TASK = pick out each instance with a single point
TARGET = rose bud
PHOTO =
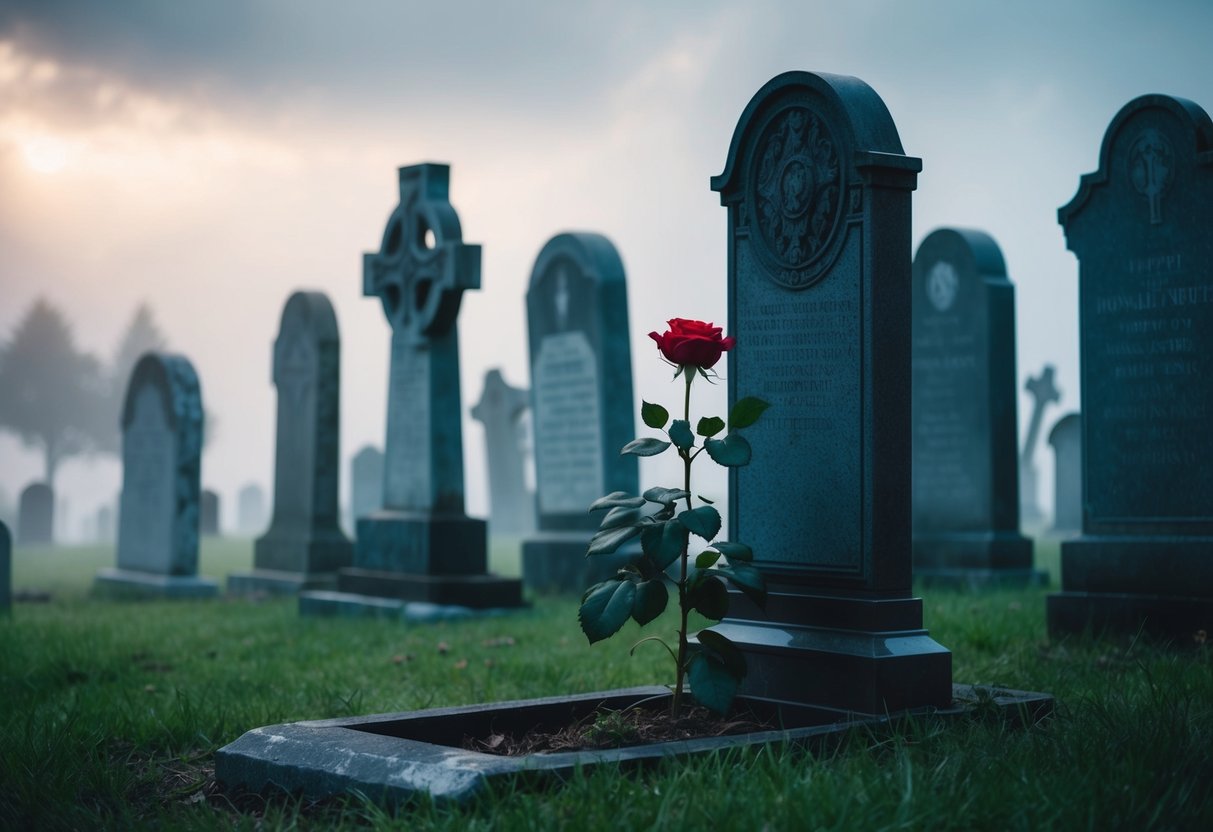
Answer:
(690, 343)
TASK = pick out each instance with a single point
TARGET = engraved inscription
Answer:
(797, 195)
(145, 535)
(568, 433)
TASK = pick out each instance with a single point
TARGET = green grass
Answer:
(110, 714)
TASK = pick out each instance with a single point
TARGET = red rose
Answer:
(692, 343)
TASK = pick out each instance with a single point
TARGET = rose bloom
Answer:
(692, 343)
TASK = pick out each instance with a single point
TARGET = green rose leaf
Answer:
(734, 660)
(748, 579)
(619, 516)
(711, 598)
(709, 426)
(706, 558)
(711, 683)
(654, 415)
(644, 447)
(664, 542)
(605, 607)
(735, 551)
(651, 598)
(746, 412)
(680, 434)
(617, 498)
(665, 496)
(732, 452)
(608, 540)
(703, 521)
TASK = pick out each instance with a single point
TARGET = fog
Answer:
(210, 158)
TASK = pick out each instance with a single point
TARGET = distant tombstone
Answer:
(36, 515)
(964, 433)
(105, 525)
(1140, 227)
(500, 410)
(250, 509)
(818, 196)
(421, 546)
(1044, 393)
(304, 546)
(161, 463)
(208, 522)
(6, 570)
(366, 482)
(1066, 439)
(582, 405)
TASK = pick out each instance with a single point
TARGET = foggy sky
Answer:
(216, 156)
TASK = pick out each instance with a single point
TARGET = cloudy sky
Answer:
(210, 158)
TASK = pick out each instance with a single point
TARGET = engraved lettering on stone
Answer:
(1151, 162)
(568, 435)
(796, 194)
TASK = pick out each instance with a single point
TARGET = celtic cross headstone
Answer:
(1139, 226)
(818, 196)
(500, 411)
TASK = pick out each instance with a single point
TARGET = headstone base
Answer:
(422, 543)
(126, 583)
(1132, 584)
(979, 559)
(321, 552)
(556, 562)
(322, 603)
(273, 582)
(860, 655)
(475, 591)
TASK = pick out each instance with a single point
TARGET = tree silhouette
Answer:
(52, 391)
(142, 336)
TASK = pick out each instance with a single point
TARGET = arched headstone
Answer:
(250, 509)
(208, 513)
(158, 520)
(963, 423)
(1066, 439)
(36, 515)
(581, 404)
(818, 196)
(1140, 228)
(304, 546)
(366, 483)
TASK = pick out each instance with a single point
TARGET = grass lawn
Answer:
(110, 713)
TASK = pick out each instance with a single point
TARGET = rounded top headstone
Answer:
(1067, 426)
(595, 255)
(174, 377)
(312, 311)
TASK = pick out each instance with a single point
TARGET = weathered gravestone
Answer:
(105, 525)
(818, 195)
(366, 483)
(304, 546)
(208, 517)
(964, 434)
(36, 515)
(6, 570)
(500, 410)
(1043, 393)
(250, 509)
(161, 466)
(1140, 227)
(582, 405)
(1066, 439)
(421, 546)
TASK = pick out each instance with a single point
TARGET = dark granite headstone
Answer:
(421, 546)
(965, 439)
(36, 515)
(582, 405)
(818, 196)
(366, 482)
(304, 546)
(250, 509)
(1140, 227)
(500, 410)
(161, 465)
(1043, 393)
(6, 570)
(208, 517)
(1066, 439)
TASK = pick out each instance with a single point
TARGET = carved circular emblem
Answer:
(796, 194)
(942, 283)
(1151, 161)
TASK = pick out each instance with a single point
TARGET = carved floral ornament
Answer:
(1151, 161)
(795, 195)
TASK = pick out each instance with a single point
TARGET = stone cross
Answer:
(1044, 393)
(500, 410)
